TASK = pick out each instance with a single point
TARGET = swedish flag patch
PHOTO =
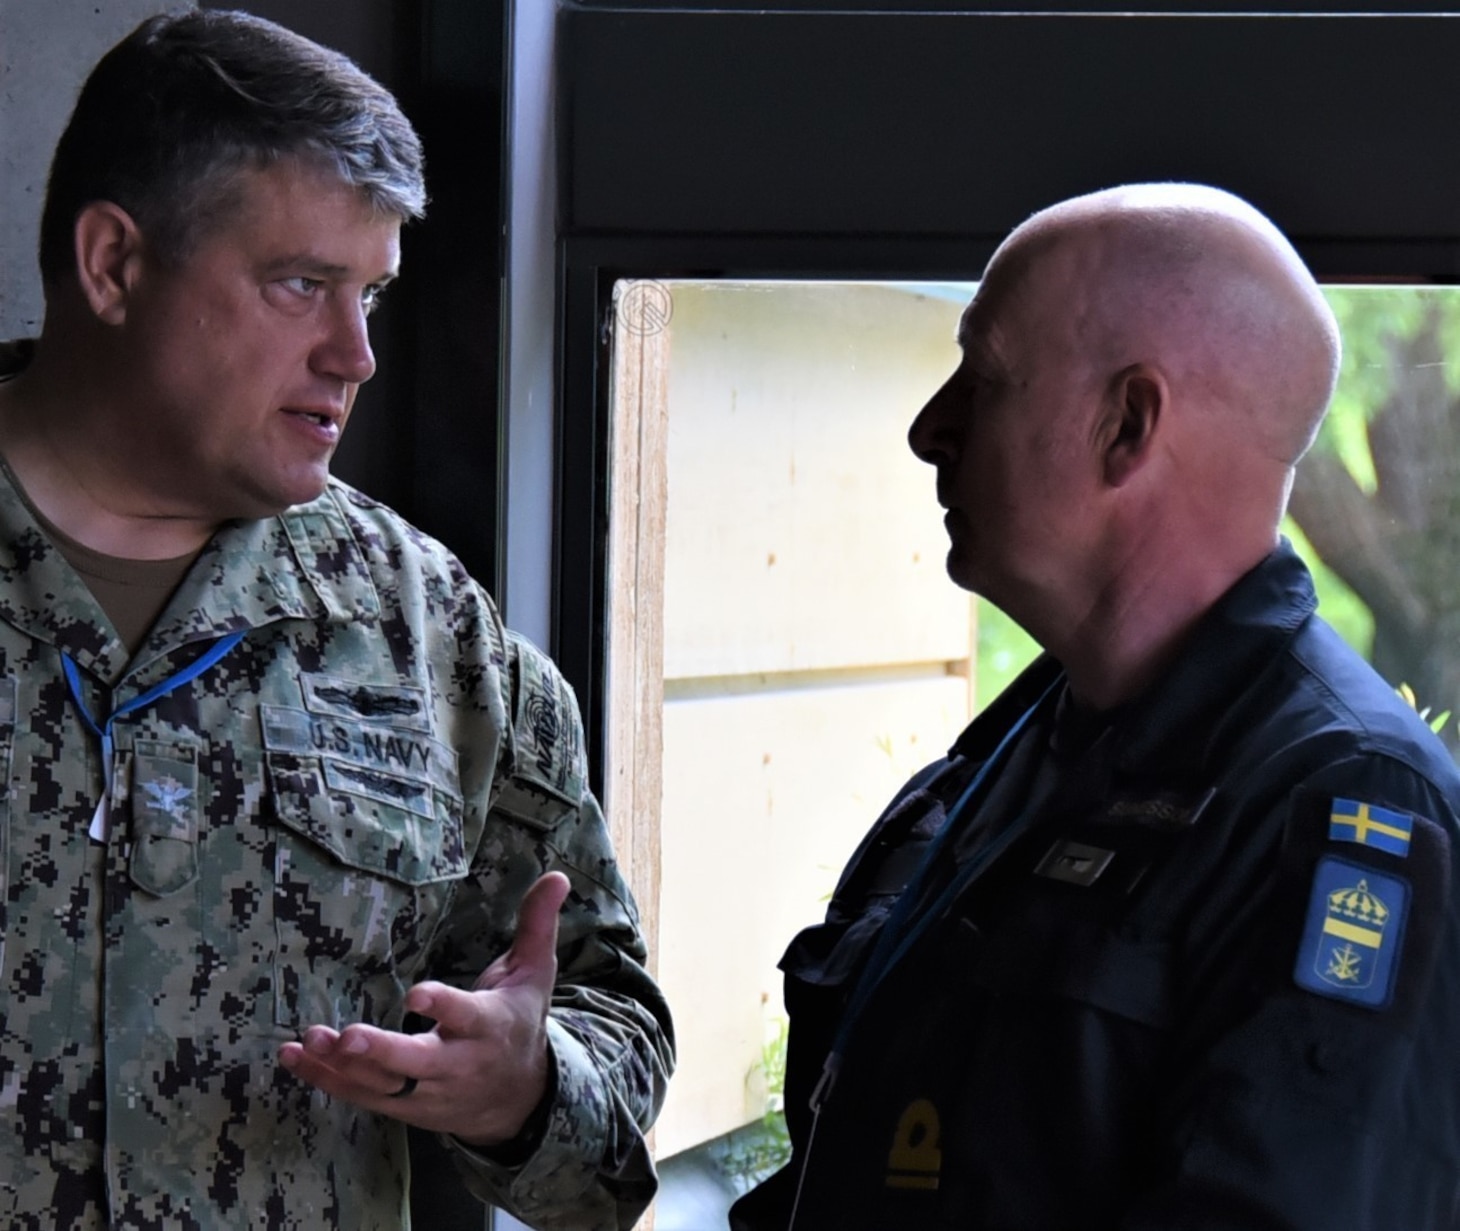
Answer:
(1353, 934)
(1370, 825)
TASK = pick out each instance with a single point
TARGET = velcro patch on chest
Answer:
(1160, 810)
(1075, 863)
(390, 764)
(402, 706)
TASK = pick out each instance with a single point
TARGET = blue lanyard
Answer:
(901, 931)
(103, 730)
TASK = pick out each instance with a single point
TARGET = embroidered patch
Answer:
(1163, 810)
(1353, 934)
(916, 1157)
(399, 705)
(168, 797)
(1370, 825)
(368, 746)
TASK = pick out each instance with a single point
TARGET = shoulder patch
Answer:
(1370, 825)
(547, 734)
(1354, 933)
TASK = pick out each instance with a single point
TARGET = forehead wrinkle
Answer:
(983, 333)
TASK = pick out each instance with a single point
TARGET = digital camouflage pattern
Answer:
(353, 799)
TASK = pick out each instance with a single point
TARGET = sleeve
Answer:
(587, 1166)
(1316, 1083)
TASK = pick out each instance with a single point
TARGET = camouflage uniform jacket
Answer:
(352, 799)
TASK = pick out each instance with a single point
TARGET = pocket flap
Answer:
(414, 845)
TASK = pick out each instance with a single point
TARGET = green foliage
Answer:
(1005, 649)
(1377, 322)
(1369, 318)
(763, 1148)
(1373, 319)
(1339, 605)
(1437, 723)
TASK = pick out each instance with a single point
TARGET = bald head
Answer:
(1141, 370)
(1196, 282)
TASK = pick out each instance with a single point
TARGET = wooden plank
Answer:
(635, 686)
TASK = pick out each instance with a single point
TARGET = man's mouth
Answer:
(322, 418)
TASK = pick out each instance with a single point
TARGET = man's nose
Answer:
(345, 352)
(926, 437)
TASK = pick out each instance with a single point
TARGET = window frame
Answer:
(1389, 207)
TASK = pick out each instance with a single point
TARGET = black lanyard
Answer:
(903, 928)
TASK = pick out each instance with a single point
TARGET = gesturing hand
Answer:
(480, 1071)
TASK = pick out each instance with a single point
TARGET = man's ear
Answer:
(108, 258)
(1139, 401)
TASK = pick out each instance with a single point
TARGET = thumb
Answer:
(533, 955)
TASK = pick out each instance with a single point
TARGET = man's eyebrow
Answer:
(311, 266)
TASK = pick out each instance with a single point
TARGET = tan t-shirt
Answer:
(131, 592)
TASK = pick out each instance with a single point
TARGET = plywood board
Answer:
(802, 534)
(765, 797)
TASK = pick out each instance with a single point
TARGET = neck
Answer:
(57, 438)
(1123, 640)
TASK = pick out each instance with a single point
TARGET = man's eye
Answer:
(371, 296)
(302, 285)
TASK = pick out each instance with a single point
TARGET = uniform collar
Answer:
(1173, 729)
(303, 564)
(1179, 724)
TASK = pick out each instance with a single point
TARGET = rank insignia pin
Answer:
(1075, 863)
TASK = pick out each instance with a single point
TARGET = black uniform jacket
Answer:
(1214, 983)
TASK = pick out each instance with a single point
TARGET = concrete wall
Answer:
(46, 50)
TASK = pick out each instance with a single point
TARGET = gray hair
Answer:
(174, 112)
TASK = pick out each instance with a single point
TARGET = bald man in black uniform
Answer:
(1170, 938)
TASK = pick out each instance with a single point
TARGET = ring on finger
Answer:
(407, 1087)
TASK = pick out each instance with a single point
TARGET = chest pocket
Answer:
(382, 799)
(371, 845)
(1085, 914)
(1083, 962)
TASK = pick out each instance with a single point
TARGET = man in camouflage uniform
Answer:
(278, 776)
